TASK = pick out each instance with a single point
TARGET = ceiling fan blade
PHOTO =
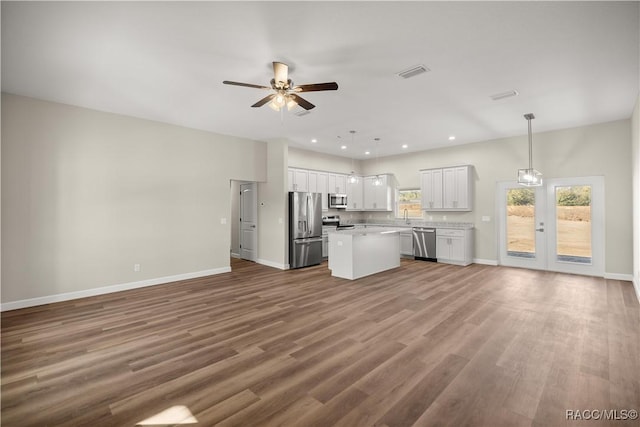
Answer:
(302, 102)
(227, 82)
(264, 100)
(316, 87)
(280, 73)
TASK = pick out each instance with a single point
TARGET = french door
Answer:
(558, 226)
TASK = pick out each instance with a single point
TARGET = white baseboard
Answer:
(485, 261)
(272, 264)
(235, 255)
(14, 305)
(618, 276)
(636, 286)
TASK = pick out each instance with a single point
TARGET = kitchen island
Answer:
(364, 251)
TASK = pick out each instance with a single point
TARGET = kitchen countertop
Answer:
(370, 229)
(402, 224)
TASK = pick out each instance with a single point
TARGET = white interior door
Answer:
(249, 221)
(556, 227)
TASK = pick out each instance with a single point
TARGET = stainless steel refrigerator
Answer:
(305, 229)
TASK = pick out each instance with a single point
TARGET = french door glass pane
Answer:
(521, 233)
(573, 218)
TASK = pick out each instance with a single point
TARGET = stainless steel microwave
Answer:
(337, 201)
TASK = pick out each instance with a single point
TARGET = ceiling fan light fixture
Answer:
(529, 177)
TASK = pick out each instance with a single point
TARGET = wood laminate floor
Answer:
(425, 344)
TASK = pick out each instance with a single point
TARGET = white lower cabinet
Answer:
(454, 246)
(325, 246)
(406, 243)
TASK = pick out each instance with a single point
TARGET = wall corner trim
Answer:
(272, 264)
(485, 261)
(619, 276)
(14, 305)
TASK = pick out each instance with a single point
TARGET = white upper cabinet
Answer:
(355, 195)
(337, 183)
(322, 186)
(379, 197)
(298, 179)
(456, 188)
(447, 189)
(431, 182)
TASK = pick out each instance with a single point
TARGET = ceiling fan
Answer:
(284, 91)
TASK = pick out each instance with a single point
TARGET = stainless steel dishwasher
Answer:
(424, 243)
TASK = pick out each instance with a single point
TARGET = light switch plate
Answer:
(486, 218)
(223, 220)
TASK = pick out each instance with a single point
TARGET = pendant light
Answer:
(377, 181)
(353, 178)
(530, 177)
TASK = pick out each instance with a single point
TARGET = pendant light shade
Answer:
(529, 177)
(353, 178)
(377, 181)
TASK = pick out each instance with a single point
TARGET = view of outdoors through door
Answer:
(521, 224)
(558, 226)
(573, 219)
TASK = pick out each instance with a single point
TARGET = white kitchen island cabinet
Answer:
(362, 252)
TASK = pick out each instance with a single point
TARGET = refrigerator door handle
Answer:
(307, 241)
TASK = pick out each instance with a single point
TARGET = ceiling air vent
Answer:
(413, 71)
(301, 113)
(508, 94)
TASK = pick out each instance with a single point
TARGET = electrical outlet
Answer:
(136, 267)
(444, 217)
(430, 217)
(280, 221)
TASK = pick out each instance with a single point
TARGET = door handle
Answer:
(539, 229)
(253, 226)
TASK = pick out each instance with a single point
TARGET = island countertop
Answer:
(368, 230)
(355, 253)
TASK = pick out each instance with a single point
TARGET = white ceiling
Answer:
(573, 63)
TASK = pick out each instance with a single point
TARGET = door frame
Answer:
(596, 268)
(539, 262)
(545, 218)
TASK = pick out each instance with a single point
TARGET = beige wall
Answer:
(635, 161)
(322, 162)
(86, 195)
(272, 209)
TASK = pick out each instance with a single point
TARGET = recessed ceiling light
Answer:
(343, 147)
(314, 140)
(404, 145)
(452, 137)
(366, 153)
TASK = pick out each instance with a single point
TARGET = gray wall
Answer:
(86, 195)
